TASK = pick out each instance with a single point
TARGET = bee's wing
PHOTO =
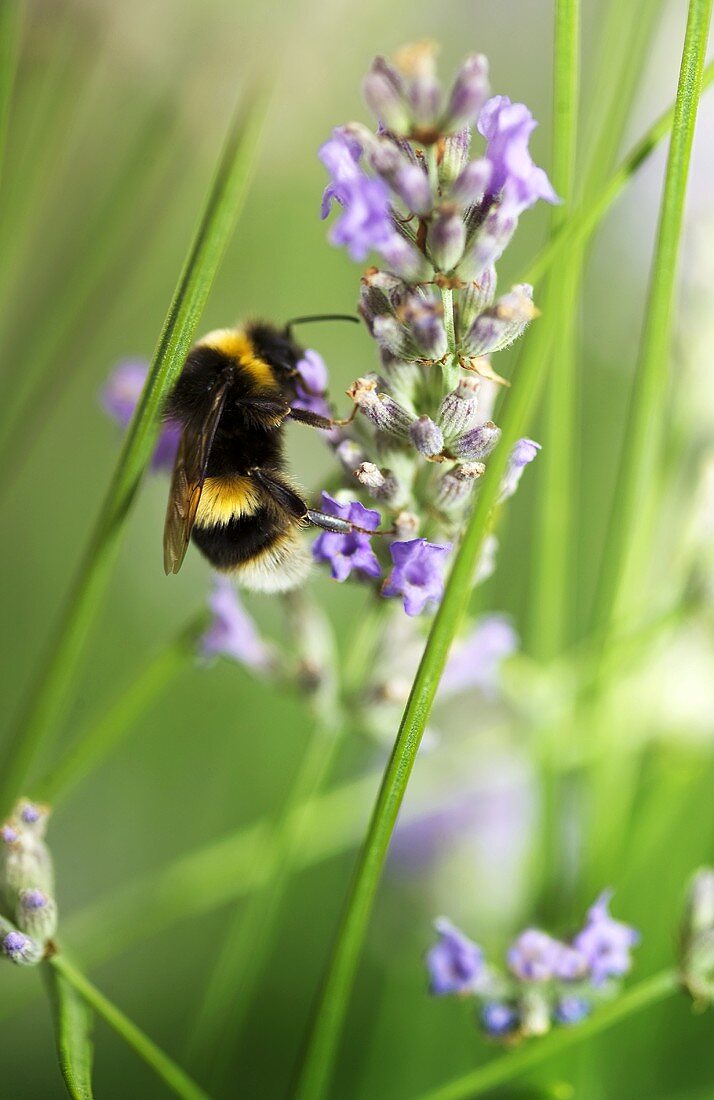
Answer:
(187, 481)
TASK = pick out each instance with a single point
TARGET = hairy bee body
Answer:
(230, 493)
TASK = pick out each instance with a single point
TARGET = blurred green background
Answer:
(118, 115)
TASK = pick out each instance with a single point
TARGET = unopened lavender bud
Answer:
(9, 834)
(350, 455)
(383, 91)
(427, 437)
(373, 303)
(477, 443)
(391, 335)
(447, 237)
(406, 526)
(403, 257)
(380, 484)
(25, 864)
(417, 62)
(21, 949)
(503, 323)
(36, 914)
(459, 409)
(471, 184)
(490, 242)
(475, 297)
(469, 93)
(384, 412)
(406, 178)
(33, 816)
(455, 486)
(454, 156)
(424, 320)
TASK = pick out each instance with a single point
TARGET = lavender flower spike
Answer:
(605, 942)
(455, 963)
(119, 398)
(418, 574)
(232, 632)
(346, 554)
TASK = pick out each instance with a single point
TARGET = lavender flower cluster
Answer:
(439, 219)
(28, 917)
(547, 981)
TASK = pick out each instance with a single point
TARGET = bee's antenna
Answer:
(321, 317)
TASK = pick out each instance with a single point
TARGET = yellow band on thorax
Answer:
(234, 343)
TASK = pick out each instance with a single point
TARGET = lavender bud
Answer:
(469, 93)
(391, 335)
(403, 257)
(417, 62)
(454, 156)
(383, 92)
(408, 180)
(9, 834)
(380, 484)
(384, 412)
(477, 443)
(455, 486)
(476, 297)
(36, 914)
(406, 526)
(524, 451)
(423, 318)
(373, 303)
(21, 950)
(470, 185)
(350, 455)
(447, 237)
(459, 409)
(33, 816)
(25, 864)
(503, 323)
(489, 243)
(499, 1020)
(427, 437)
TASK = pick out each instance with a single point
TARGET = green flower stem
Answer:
(643, 426)
(553, 566)
(172, 1075)
(92, 746)
(10, 29)
(510, 1066)
(585, 220)
(49, 693)
(72, 1019)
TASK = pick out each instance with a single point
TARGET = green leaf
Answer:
(72, 1020)
(51, 689)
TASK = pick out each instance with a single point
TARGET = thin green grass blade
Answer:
(553, 561)
(53, 684)
(10, 31)
(643, 425)
(164, 1067)
(92, 746)
(72, 1019)
(511, 1066)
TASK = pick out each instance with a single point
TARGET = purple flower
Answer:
(232, 633)
(524, 451)
(571, 1010)
(311, 385)
(418, 573)
(507, 128)
(605, 943)
(498, 1019)
(16, 946)
(351, 552)
(30, 813)
(532, 957)
(119, 398)
(476, 661)
(455, 962)
(9, 834)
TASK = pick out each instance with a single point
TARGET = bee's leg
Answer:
(336, 525)
(314, 420)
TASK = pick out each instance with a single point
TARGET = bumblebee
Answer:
(229, 490)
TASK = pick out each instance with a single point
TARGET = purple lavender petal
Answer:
(349, 553)
(455, 962)
(476, 661)
(232, 633)
(418, 573)
(507, 128)
(119, 398)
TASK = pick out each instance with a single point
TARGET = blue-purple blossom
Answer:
(507, 128)
(232, 632)
(312, 382)
(605, 942)
(418, 574)
(523, 453)
(349, 553)
(16, 946)
(119, 398)
(475, 661)
(532, 956)
(571, 1010)
(365, 222)
(498, 1019)
(455, 963)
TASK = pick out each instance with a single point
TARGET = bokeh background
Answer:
(117, 120)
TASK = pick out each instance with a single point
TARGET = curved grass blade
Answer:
(163, 1066)
(52, 687)
(72, 1019)
(511, 1066)
(10, 30)
(643, 426)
